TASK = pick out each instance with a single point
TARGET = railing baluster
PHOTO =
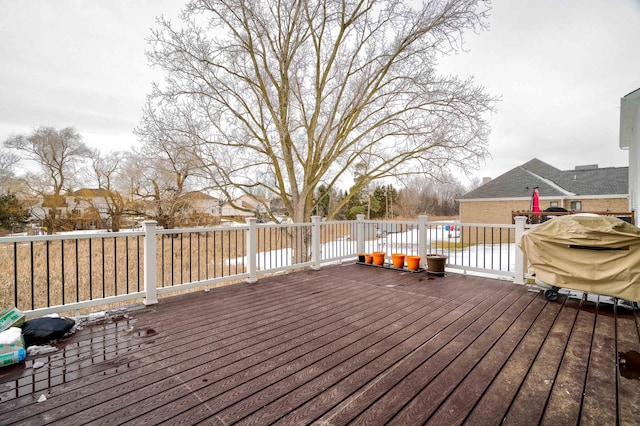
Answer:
(228, 257)
(32, 277)
(236, 249)
(126, 262)
(139, 269)
(103, 269)
(15, 274)
(215, 254)
(199, 254)
(90, 270)
(48, 272)
(206, 255)
(77, 272)
(181, 258)
(115, 267)
(173, 262)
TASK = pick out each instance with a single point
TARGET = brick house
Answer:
(585, 188)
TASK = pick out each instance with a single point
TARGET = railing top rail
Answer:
(413, 222)
(338, 222)
(486, 225)
(202, 229)
(70, 236)
(283, 225)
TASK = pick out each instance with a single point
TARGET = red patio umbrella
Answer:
(535, 203)
(536, 200)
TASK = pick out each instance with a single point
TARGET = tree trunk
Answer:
(115, 222)
(300, 237)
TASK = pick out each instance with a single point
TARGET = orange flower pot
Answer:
(413, 263)
(368, 258)
(398, 260)
(378, 258)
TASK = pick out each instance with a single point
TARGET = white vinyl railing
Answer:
(63, 273)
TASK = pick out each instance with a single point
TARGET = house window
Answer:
(576, 205)
(553, 204)
(75, 212)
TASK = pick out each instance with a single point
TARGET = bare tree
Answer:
(160, 173)
(425, 195)
(58, 153)
(8, 162)
(111, 176)
(302, 89)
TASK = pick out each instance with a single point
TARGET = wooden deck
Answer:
(346, 344)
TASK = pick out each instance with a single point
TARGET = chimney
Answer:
(587, 167)
(486, 180)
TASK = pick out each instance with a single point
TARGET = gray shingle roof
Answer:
(520, 181)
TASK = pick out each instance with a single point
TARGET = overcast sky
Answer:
(560, 66)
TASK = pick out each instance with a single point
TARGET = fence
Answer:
(62, 273)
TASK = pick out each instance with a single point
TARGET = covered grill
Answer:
(595, 254)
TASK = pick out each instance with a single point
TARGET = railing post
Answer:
(360, 233)
(252, 252)
(520, 260)
(422, 239)
(316, 239)
(150, 291)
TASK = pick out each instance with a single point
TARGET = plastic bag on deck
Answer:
(44, 330)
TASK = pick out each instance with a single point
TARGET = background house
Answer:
(83, 209)
(200, 209)
(87, 208)
(585, 188)
(246, 206)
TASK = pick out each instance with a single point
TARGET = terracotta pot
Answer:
(398, 260)
(413, 263)
(378, 258)
(368, 258)
(436, 263)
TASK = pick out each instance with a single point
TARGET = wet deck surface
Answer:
(348, 344)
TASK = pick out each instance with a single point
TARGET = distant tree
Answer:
(8, 162)
(323, 200)
(327, 200)
(168, 163)
(111, 176)
(13, 213)
(160, 182)
(386, 197)
(58, 153)
(422, 195)
(302, 90)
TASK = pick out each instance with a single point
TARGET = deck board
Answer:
(467, 394)
(531, 400)
(601, 384)
(565, 400)
(346, 344)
